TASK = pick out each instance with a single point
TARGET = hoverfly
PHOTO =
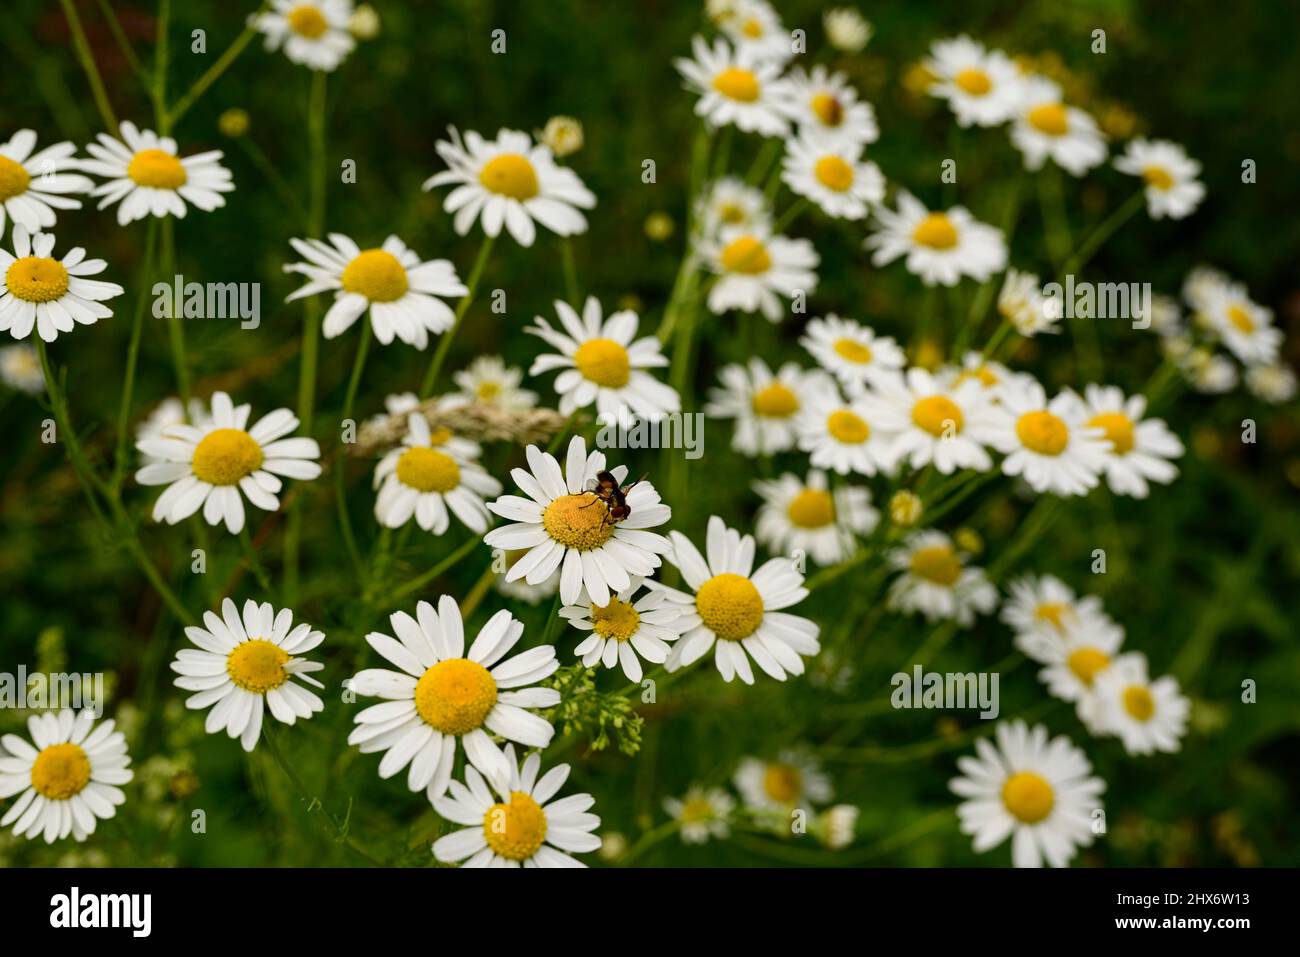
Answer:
(606, 489)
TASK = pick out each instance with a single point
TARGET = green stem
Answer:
(999, 336)
(340, 460)
(87, 58)
(160, 69)
(436, 572)
(1033, 525)
(252, 561)
(175, 327)
(792, 213)
(182, 106)
(444, 343)
(1088, 248)
(132, 355)
(123, 43)
(274, 177)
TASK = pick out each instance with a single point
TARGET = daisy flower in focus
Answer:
(846, 29)
(810, 518)
(1274, 384)
(844, 436)
(765, 405)
(20, 369)
(208, 466)
(702, 814)
(1246, 328)
(47, 294)
(1040, 793)
(33, 184)
(982, 87)
(936, 581)
(442, 695)
(510, 181)
(148, 177)
(794, 780)
(736, 610)
(756, 271)
(834, 176)
(1050, 444)
(730, 201)
(526, 828)
(850, 351)
(243, 663)
(1021, 302)
(602, 363)
(564, 525)
(621, 629)
(489, 380)
(930, 422)
(1172, 188)
(1140, 448)
(68, 781)
(825, 106)
(1147, 716)
(314, 33)
(734, 87)
(1044, 609)
(756, 30)
(940, 247)
(390, 281)
(1045, 128)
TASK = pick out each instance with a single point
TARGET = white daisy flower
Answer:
(390, 281)
(850, 351)
(702, 814)
(940, 247)
(1041, 793)
(1200, 282)
(1208, 372)
(1140, 449)
(1043, 609)
(314, 33)
(1021, 302)
(148, 177)
(68, 781)
(1274, 384)
(730, 201)
(244, 662)
(757, 270)
(756, 30)
(845, 436)
(846, 29)
(1172, 188)
(1045, 128)
(564, 525)
(47, 294)
(794, 780)
(809, 518)
(510, 181)
(738, 610)
(602, 363)
(735, 87)
(489, 380)
(936, 581)
(164, 415)
(826, 106)
(20, 369)
(1245, 327)
(208, 466)
(621, 629)
(982, 87)
(34, 184)
(399, 403)
(1050, 444)
(765, 406)
(993, 377)
(1075, 661)
(442, 695)
(1147, 716)
(563, 135)
(931, 422)
(833, 175)
(521, 590)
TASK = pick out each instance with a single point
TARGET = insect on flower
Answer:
(606, 489)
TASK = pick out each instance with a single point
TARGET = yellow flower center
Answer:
(440, 436)
(936, 231)
(812, 508)
(775, 401)
(618, 620)
(1118, 428)
(37, 279)
(847, 427)
(988, 378)
(782, 783)
(746, 255)
(730, 606)
(158, 169)
(1042, 432)
(736, 83)
(577, 521)
(515, 830)
(257, 665)
(731, 213)
(833, 173)
(1054, 612)
(973, 81)
(225, 456)
(1139, 703)
(696, 809)
(752, 28)
(1158, 177)
(428, 470)
(1049, 118)
(827, 109)
(938, 415)
(936, 563)
(1240, 318)
(510, 175)
(1028, 797)
(604, 362)
(377, 275)
(1086, 663)
(487, 391)
(307, 21)
(14, 179)
(853, 351)
(455, 696)
(60, 771)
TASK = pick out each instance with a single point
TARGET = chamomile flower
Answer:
(442, 695)
(68, 776)
(602, 363)
(940, 247)
(794, 780)
(765, 406)
(1147, 716)
(701, 814)
(993, 377)
(47, 294)
(808, 517)
(1172, 188)
(1043, 609)
(1209, 372)
(833, 175)
(424, 480)
(1200, 282)
(34, 184)
(623, 631)
(510, 181)
(1076, 660)
(730, 201)
(756, 271)
(1050, 444)
(948, 425)
(982, 87)
(937, 582)
(208, 466)
(846, 29)
(825, 106)
(489, 380)
(1140, 448)
(314, 33)
(564, 525)
(526, 828)
(1021, 302)
(1040, 793)
(845, 436)
(164, 415)
(245, 663)
(1274, 384)
(756, 30)
(736, 610)
(399, 291)
(734, 87)
(1045, 128)
(850, 351)
(148, 177)
(1245, 327)
(20, 369)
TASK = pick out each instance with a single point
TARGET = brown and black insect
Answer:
(606, 489)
